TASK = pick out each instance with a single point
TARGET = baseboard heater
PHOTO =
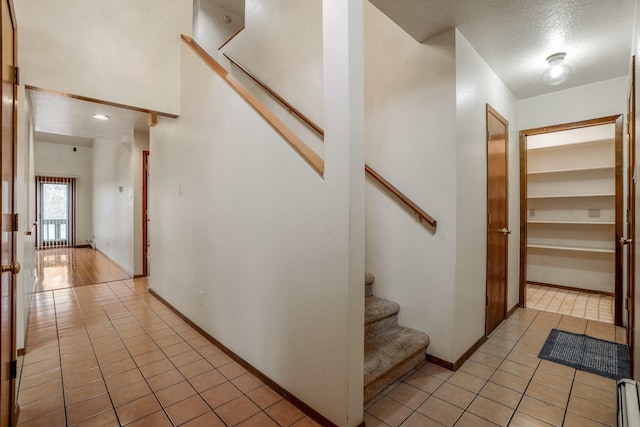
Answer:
(628, 403)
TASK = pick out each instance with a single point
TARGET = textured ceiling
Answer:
(66, 116)
(515, 36)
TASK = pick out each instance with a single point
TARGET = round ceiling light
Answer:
(100, 117)
(557, 70)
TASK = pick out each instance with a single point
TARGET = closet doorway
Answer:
(572, 218)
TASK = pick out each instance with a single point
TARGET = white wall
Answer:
(121, 51)
(263, 237)
(60, 160)
(113, 204)
(605, 98)
(477, 85)
(410, 140)
(209, 28)
(636, 303)
(282, 45)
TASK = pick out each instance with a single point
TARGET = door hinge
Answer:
(16, 76)
(14, 222)
(13, 369)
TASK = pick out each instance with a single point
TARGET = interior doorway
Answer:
(572, 215)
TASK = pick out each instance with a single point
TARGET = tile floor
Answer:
(504, 383)
(112, 354)
(573, 303)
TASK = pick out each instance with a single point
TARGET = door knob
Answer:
(14, 268)
(625, 241)
(505, 231)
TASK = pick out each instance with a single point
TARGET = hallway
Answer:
(112, 354)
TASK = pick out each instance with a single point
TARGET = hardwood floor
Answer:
(62, 268)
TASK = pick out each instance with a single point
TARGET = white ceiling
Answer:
(515, 36)
(59, 115)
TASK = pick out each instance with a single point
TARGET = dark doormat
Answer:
(599, 357)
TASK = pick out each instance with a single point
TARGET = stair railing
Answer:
(412, 206)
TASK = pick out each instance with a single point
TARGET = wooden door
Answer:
(7, 249)
(497, 218)
(631, 206)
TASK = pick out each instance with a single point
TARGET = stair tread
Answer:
(390, 348)
(378, 308)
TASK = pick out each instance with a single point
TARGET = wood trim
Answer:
(294, 141)
(631, 205)
(620, 214)
(293, 110)
(145, 210)
(440, 362)
(571, 288)
(467, 354)
(422, 215)
(524, 207)
(21, 352)
(231, 38)
(99, 101)
(308, 410)
(615, 119)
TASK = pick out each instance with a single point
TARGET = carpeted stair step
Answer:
(389, 355)
(379, 315)
(368, 284)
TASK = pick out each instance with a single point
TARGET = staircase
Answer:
(390, 350)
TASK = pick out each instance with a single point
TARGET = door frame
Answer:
(619, 201)
(631, 206)
(491, 111)
(145, 213)
(13, 407)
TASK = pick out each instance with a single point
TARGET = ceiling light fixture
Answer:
(100, 117)
(557, 70)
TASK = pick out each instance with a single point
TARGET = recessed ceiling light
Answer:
(557, 70)
(100, 117)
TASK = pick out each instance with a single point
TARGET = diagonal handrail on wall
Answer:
(410, 204)
(296, 143)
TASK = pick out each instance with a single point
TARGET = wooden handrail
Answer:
(296, 143)
(422, 215)
(292, 110)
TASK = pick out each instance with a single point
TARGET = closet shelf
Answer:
(572, 222)
(572, 249)
(570, 196)
(573, 170)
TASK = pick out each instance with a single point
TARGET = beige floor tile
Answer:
(88, 408)
(477, 369)
(490, 410)
(237, 410)
(105, 419)
(592, 410)
(523, 420)
(259, 420)
(157, 419)
(553, 380)
(501, 394)
(175, 393)
(594, 394)
(389, 411)
(137, 409)
(209, 419)
(454, 395)
(540, 410)
(187, 409)
(509, 381)
(221, 394)
(548, 394)
(409, 395)
(470, 420)
(424, 382)
(517, 369)
(467, 382)
(264, 396)
(284, 413)
(129, 393)
(440, 411)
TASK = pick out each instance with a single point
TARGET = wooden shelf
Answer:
(570, 196)
(572, 249)
(559, 171)
(573, 222)
(574, 144)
